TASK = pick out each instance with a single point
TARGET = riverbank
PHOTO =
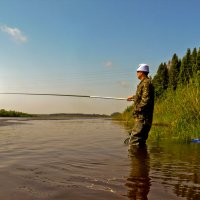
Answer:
(179, 109)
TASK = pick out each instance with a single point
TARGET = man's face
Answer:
(139, 75)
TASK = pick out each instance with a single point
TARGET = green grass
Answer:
(180, 110)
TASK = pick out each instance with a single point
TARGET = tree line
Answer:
(12, 113)
(177, 72)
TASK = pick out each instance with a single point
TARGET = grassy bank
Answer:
(176, 115)
(180, 110)
(124, 118)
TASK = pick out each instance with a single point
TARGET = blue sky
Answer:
(87, 47)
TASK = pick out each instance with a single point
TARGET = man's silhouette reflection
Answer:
(138, 182)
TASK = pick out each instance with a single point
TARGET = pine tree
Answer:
(186, 68)
(193, 61)
(165, 74)
(174, 72)
(198, 62)
(161, 79)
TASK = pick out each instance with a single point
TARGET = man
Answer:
(142, 107)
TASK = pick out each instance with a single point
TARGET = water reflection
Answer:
(188, 184)
(138, 182)
(176, 168)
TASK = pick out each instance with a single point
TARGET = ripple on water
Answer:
(86, 159)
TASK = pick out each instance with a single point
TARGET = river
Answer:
(86, 159)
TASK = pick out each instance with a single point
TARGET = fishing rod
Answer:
(63, 95)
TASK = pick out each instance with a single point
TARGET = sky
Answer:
(87, 47)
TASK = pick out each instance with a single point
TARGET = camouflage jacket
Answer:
(144, 101)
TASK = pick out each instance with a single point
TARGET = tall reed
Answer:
(179, 109)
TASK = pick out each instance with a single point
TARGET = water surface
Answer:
(86, 159)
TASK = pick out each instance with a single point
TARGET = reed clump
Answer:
(180, 110)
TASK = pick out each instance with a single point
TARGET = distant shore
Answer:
(11, 120)
(70, 115)
(12, 113)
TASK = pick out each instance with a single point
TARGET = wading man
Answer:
(142, 107)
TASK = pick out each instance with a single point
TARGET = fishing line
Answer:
(63, 95)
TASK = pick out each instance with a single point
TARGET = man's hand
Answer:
(130, 98)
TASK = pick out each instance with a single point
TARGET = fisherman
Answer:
(142, 108)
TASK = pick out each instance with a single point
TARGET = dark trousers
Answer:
(139, 132)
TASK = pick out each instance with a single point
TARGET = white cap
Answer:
(143, 68)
